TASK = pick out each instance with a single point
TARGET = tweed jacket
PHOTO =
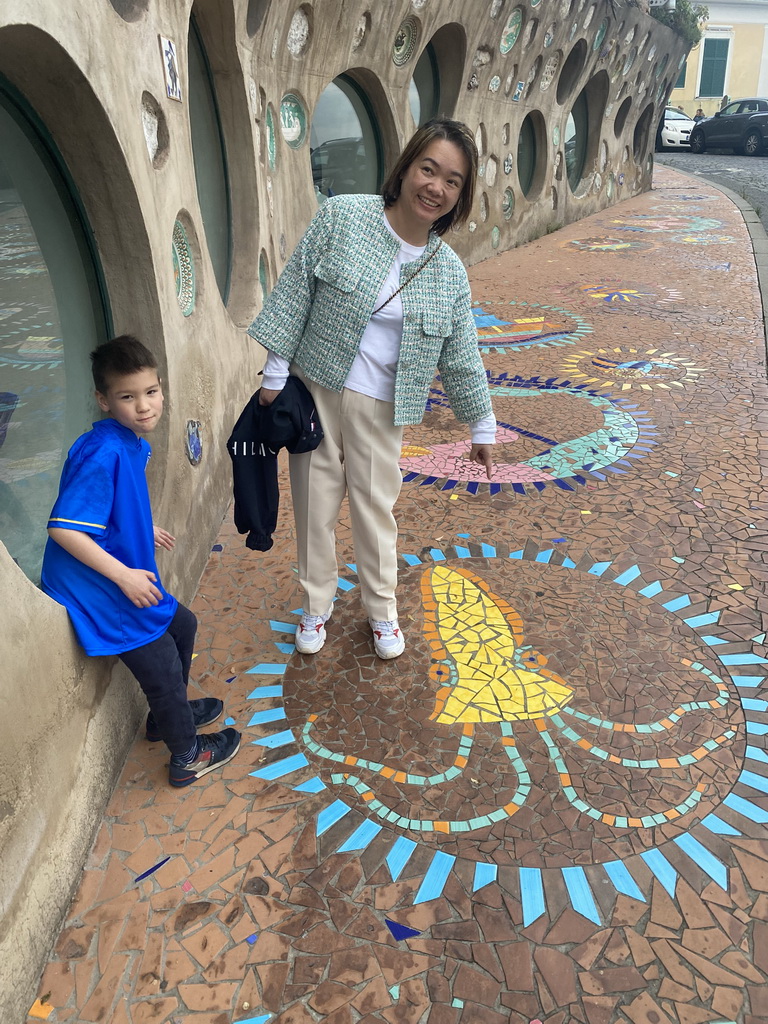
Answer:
(317, 312)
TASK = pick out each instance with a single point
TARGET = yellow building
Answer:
(730, 62)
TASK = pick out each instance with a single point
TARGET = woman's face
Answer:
(432, 184)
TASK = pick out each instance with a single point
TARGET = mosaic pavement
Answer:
(553, 807)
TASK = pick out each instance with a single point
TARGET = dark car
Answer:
(741, 126)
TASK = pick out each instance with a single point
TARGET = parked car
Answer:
(674, 130)
(741, 126)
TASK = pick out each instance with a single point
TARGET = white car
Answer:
(674, 131)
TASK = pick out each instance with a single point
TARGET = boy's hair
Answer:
(119, 357)
(452, 131)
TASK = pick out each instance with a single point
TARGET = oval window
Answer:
(52, 317)
(526, 155)
(210, 162)
(345, 151)
(575, 141)
(424, 90)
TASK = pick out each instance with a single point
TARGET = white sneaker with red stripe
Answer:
(388, 639)
(310, 632)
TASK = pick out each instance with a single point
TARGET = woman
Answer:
(370, 305)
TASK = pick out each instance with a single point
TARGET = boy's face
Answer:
(135, 401)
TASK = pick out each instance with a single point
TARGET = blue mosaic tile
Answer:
(434, 880)
(532, 895)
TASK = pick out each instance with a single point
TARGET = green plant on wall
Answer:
(686, 19)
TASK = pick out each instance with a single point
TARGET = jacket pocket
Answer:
(337, 274)
(437, 323)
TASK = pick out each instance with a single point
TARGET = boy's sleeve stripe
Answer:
(77, 522)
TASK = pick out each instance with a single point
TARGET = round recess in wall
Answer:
(193, 442)
(556, 136)
(406, 41)
(508, 203)
(511, 30)
(155, 130)
(621, 116)
(549, 36)
(610, 185)
(553, 196)
(510, 80)
(572, 68)
(509, 163)
(495, 237)
(263, 276)
(533, 74)
(496, 8)
(491, 170)
(530, 32)
(293, 120)
(494, 84)
(589, 16)
(661, 67)
(629, 61)
(481, 140)
(651, 53)
(550, 70)
(483, 206)
(283, 247)
(130, 10)
(183, 269)
(361, 31)
(257, 9)
(602, 28)
(271, 138)
(505, 134)
(629, 37)
(299, 31)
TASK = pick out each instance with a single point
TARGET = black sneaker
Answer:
(214, 749)
(204, 711)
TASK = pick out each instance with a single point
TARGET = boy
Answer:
(100, 564)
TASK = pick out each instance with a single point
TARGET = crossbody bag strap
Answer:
(406, 283)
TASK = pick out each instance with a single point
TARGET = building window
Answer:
(680, 83)
(424, 91)
(210, 162)
(526, 155)
(51, 317)
(345, 151)
(575, 142)
(714, 60)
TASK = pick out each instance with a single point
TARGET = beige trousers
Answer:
(359, 456)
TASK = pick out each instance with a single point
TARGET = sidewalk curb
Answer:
(758, 237)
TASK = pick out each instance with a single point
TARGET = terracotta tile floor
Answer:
(553, 806)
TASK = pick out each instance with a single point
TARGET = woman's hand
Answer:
(482, 454)
(267, 396)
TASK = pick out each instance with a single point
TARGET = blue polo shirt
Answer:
(103, 492)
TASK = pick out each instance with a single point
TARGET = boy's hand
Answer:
(138, 585)
(163, 539)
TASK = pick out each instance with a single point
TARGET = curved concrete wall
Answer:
(92, 72)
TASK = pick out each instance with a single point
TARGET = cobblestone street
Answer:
(552, 808)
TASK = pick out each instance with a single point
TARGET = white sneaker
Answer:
(388, 639)
(310, 632)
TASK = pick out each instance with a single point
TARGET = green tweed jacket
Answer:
(321, 305)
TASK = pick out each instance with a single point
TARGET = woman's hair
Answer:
(452, 131)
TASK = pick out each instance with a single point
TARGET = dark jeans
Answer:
(162, 670)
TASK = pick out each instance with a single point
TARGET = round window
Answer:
(344, 141)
